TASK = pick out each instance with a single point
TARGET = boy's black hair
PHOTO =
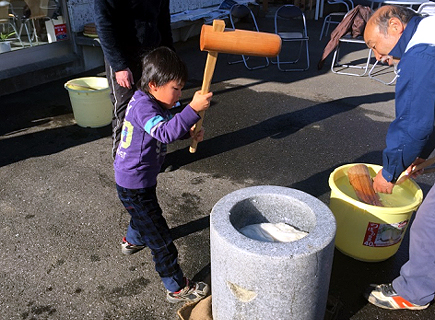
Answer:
(160, 66)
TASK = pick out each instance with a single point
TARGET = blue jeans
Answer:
(416, 282)
(148, 227)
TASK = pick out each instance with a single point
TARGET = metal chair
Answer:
(337, 67)
(8, 20)
(427, 8)
(291, 26)
(329, 19)
(241, 11)
(375, 74)
(38, 10)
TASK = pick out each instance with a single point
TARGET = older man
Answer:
(399, 35)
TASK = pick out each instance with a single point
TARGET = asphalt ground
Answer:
(61, 221)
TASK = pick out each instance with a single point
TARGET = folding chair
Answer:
(427, 8)
(338, 68)
(241, 11)
(38, 10)
(338, 16)
(376, 74)
(291, 26)
(8, 21)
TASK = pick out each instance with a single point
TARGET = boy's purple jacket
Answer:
(147, 129)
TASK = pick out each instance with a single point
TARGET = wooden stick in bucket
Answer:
(361, 181)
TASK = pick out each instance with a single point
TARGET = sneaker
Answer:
(192, 292)
(128, 248)
(384, 296)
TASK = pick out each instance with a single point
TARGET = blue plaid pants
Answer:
(148, 227)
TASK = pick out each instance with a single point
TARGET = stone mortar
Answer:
(270, 280)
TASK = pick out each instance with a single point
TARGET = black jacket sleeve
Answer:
(164, 25)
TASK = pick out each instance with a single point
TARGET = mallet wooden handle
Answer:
(424, 164)
(429, 170)
(405, 176)
(218, 26)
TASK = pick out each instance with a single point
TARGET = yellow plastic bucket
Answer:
(90, 100)
(371, 233)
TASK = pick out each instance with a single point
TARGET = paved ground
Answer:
(61, 221)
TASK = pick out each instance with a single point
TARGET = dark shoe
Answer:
(384, 296)
(192, 292)
(169, 168)
(128, 248)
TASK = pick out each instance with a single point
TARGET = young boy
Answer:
(148, 127)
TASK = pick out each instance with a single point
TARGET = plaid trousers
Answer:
(148, 227)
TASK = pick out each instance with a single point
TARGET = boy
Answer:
(148, 127)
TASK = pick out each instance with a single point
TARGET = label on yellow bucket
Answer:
(384, 235)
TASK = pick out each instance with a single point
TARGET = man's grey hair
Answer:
(404, 14)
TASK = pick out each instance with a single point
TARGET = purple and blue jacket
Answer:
(147, 129)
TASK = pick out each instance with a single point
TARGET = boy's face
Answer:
(168, 94)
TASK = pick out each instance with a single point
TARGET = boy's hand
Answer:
(199, 136)
(201, 102)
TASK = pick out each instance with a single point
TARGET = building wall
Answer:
(68, 58)
(81, 12)
(183, 5)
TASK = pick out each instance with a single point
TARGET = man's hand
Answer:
(124, 78)
(416, 162)
(382, 185)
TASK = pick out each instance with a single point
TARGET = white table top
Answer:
(400, 2)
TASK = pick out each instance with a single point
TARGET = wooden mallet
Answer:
(216, 39)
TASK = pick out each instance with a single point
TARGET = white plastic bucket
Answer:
(90, 100)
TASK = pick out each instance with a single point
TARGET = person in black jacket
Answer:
(128, 29)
